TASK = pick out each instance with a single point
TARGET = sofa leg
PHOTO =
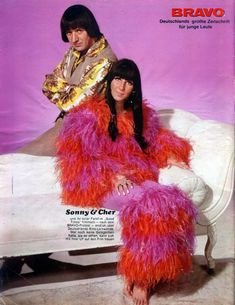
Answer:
(211, 241)
(11, 268)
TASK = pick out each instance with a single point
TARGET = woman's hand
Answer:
(172, 161)
(123, 185)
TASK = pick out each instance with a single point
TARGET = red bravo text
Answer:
(198, 12)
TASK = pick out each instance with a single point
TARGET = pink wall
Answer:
(187, 69)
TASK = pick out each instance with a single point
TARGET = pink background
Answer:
(186, 69)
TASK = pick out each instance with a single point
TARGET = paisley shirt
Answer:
(78, 77)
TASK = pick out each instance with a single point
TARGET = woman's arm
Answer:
(86, 172)
(165, 147)
(168, 149)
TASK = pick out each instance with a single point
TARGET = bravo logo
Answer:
(198, 12)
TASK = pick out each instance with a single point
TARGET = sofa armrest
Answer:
(191, 184)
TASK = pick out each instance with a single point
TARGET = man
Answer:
(80, 74)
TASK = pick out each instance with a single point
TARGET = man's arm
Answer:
(67, 96)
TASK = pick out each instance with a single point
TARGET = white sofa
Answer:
(33, 220)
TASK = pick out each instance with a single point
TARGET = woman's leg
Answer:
(158, 236)
(114, 201)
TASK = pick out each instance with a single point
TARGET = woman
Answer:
(109, 154)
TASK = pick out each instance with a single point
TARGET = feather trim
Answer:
(168, 145)
(157, 230)
(88, 160)
(146, 275)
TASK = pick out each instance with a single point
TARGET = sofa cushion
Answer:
(188, 182)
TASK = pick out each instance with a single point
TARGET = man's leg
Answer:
(44, 145)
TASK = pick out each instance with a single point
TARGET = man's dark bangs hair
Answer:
(79, 16)
(74, 24)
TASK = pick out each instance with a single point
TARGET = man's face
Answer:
(80, 40)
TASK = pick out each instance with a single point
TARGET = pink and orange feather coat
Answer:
(158, 220)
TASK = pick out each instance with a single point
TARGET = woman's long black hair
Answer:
(128, 70)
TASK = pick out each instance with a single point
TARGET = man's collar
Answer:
(98, 46)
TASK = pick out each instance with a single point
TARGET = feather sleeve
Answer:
(168, 146)
(164, 144)
(85, 171)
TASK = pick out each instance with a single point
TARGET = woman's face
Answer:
(121, 89)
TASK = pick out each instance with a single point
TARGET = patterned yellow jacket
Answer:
(78, 77)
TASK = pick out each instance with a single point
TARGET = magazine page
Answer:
(116, 152)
